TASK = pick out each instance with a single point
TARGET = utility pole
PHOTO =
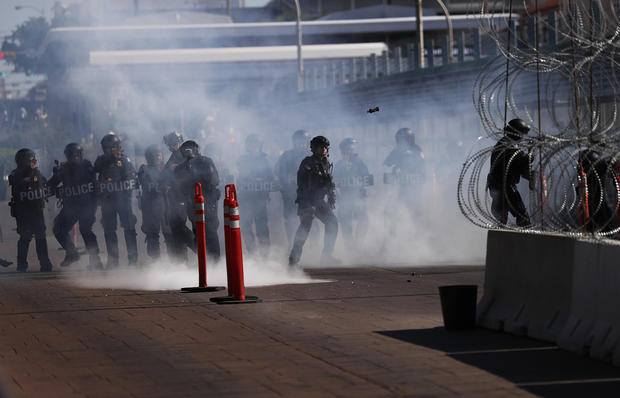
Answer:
(300, 60)
(420, 29)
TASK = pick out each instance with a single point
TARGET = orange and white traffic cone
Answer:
(201, 245)
(234, 254)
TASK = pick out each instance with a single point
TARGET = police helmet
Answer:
(190, 149)
(347, 146)
(516, 129)
(110, 141)
(150, 153)
(405, 136)
(173, 138)
(319, 141)
(300, 135)
(253, 141)
(72, 150)
(24, 157)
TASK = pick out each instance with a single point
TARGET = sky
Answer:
(10, 17)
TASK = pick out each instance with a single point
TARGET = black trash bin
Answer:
(458, 306)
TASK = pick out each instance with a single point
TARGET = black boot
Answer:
(71, 256)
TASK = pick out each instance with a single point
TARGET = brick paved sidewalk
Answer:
(373, 332)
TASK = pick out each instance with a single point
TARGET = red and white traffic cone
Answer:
(234, 255)
(201, 245)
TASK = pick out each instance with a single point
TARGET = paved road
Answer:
(372, 332)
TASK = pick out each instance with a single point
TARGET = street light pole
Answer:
(300, 60)
(420, 29)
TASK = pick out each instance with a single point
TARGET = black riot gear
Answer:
(351, 177)
(76, 188)
(508, 164)
(286, 172)
(516, 129)
(405, 137)
(173, 139)
(319, 142)
(316, 197)
(117, 180)
(150, 154)
(152, 202)
(254, 185)
(28, 196)
(190, 149)
(110, 141)
(74, 150)
(196, 169)
(24, 157)
(347, 146)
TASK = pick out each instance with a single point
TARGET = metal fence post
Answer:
(386, 62)
(353, 75)
(476, 36)
(374, 64)
(398, 56)
(445, 55)
(430, 45)
(460, 40)
(411, 56)
(364, 72)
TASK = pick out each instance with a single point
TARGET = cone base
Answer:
(199, 289)
(233, 300)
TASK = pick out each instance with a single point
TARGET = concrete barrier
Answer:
(555, 288)
(527, 283)
(593, 327)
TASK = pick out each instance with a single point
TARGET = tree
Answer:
(25, 41)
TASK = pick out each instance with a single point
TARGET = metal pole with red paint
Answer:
(201, 245)
(234, 255)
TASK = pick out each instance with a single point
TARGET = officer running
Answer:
(28, 196)
(117, 180)
(316, 197)
(78, 195)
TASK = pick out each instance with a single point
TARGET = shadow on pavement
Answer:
(538, 367)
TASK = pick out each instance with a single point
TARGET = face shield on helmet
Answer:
(190, 149)
(154, 156)
(25, 158)
(516, 129)
(348, 146)
(173, 140)
(111, 145)
(73, 153)
(300, 139)
(405, 137)
(319, 145)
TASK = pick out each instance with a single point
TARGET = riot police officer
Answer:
(117, 180)
(351, 177)
(255, 179)
(176, 205)
(508, 164)
(28, 196)
(198, 168)
(78, 195)
(316, 197)
(152, 201)
(599, 168)
(286, 172)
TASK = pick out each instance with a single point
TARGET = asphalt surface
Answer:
(370, 332)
